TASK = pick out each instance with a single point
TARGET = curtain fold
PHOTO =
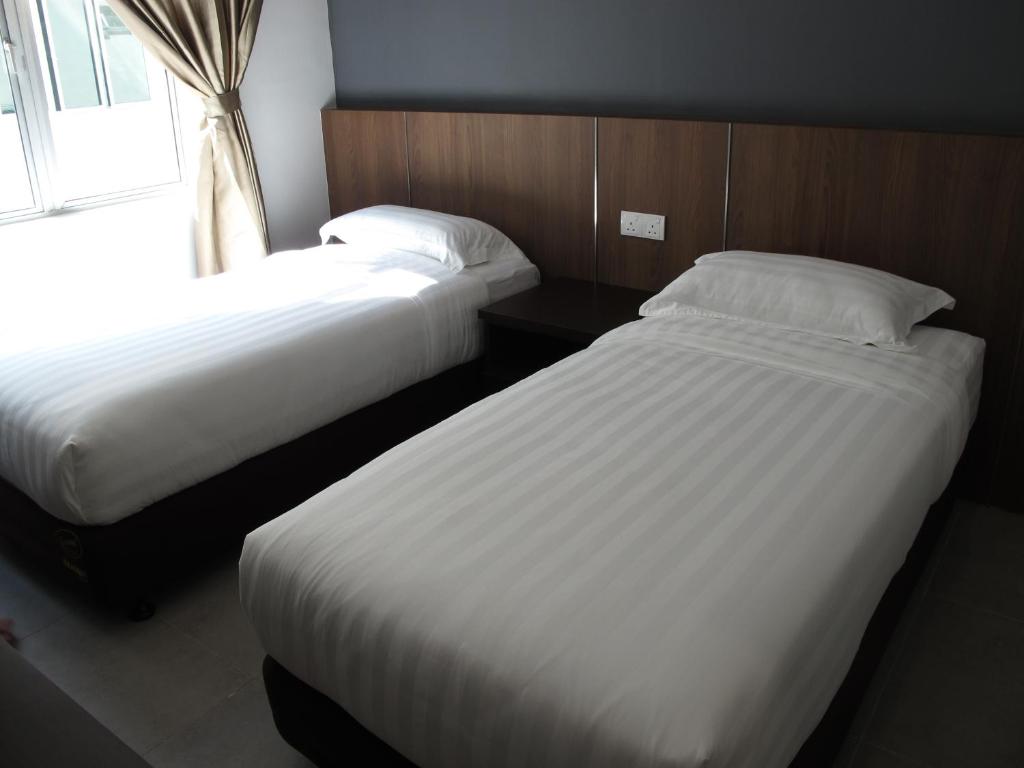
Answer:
(206, 44)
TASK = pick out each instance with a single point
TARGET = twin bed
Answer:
(133, 428)
(662, 551)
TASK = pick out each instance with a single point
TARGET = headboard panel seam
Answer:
(728, 174)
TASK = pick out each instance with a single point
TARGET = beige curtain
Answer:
(206, 44)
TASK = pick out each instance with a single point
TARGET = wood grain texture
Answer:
(947, 210)
(529, 175)
(670, 167)
(365, 152)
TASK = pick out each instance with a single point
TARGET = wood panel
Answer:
(669, 167)
(366, 160)
(529, 175)
(947, 210)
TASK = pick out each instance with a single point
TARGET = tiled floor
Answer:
(949, 692)
(183, 689)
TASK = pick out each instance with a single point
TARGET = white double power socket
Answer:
(648, 225)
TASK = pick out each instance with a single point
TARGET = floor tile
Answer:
(876, 689)
(942, 544)
(956, 694)
(207, 608)
(31, 598)
(144, 681)
(983, 563)
(862, 719)
(869, 756)
(238, 732)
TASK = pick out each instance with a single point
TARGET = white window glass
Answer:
(69, 52)
(124, 60)
(96, 117)
(117, 148)
(112, 124)
(15, 184)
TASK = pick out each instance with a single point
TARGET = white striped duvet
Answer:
(111, 405)
(662, 551)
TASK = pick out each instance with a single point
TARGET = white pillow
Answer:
(802, 293)
(455, 241)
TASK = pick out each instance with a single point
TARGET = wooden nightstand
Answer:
(538, 327)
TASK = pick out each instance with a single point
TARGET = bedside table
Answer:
(538, 327)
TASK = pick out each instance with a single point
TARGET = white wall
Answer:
(290, 78)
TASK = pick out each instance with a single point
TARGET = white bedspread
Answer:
(111, 404)
(662, 551)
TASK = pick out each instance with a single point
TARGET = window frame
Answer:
(18, 59)
(20, 28)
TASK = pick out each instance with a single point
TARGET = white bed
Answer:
(108, 404)
(662, 551)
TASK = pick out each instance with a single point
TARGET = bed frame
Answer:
(331, 738)
(123, 564)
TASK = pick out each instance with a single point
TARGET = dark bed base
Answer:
(331, 738)
(123, 563)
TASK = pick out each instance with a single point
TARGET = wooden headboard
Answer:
(947, 210)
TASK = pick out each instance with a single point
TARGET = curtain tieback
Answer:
(222, 104)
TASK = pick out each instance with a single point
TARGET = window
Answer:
(86, 115)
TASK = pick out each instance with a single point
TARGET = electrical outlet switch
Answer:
(629, 224)
(654, 227)
(647, 225)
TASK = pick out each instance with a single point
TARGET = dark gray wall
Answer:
(955, 65)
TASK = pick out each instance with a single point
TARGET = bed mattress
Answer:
(107, 406)
(662, 551)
